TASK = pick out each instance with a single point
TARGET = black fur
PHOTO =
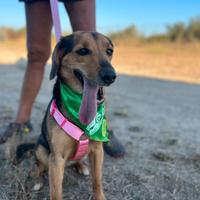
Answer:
(94, 35)
(66, 43)
(64, 46)
(42, 139)
(56, 93)
(22, 151)
(109, 41)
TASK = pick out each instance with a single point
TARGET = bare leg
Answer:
(39, 24)
(82, 15)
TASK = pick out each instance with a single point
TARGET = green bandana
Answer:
(97, 129)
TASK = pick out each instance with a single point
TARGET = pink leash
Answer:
(68, 127)
(56, 19)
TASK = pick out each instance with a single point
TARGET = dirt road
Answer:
(158, 122)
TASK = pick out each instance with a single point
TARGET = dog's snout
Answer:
(108, 75)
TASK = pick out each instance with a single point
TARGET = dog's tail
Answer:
(24, 151)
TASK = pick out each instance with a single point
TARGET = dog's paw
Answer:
(34, 183)
(82, 168)
(84, 171)
(37, 186)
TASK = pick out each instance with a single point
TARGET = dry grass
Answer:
(170, 61)
(173, 61)
(12, 50)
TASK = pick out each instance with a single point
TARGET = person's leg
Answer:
(82, 16)
(39, 24)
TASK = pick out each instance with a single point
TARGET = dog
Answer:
(81, 61)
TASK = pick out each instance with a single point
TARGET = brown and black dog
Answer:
(80, 58)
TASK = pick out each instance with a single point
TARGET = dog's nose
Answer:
(108, 75)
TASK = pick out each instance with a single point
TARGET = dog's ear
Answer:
(63, 47)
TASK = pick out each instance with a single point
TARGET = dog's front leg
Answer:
(56, 173)
(96, 162)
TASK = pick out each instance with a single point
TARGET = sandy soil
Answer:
(157, 121)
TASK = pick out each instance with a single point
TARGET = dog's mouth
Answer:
(92, 96)
(100, 93)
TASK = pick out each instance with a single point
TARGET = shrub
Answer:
(128, 33)
(176, 32)
(193, 29)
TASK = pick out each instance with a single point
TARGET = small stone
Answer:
(121, 113)
(171, 142)
(161, 156)
(135, 129)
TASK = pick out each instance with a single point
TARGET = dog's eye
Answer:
(109, 52)
(83, 51)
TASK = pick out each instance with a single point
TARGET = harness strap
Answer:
(72, 130)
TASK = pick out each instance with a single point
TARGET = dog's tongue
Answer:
(88, 109)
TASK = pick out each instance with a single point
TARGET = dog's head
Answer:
(82, 60)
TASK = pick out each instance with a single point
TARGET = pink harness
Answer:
(72, 130)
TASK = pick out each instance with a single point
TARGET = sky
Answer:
(150, 16)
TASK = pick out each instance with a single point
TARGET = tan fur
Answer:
(63, 146)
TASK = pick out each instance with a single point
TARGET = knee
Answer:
(38, 53)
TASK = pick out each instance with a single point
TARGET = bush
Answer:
(193, 29)
(157, 38)
(6, 33)
(9, 33)
(128, 33)
(180, 31)
(176, 32)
